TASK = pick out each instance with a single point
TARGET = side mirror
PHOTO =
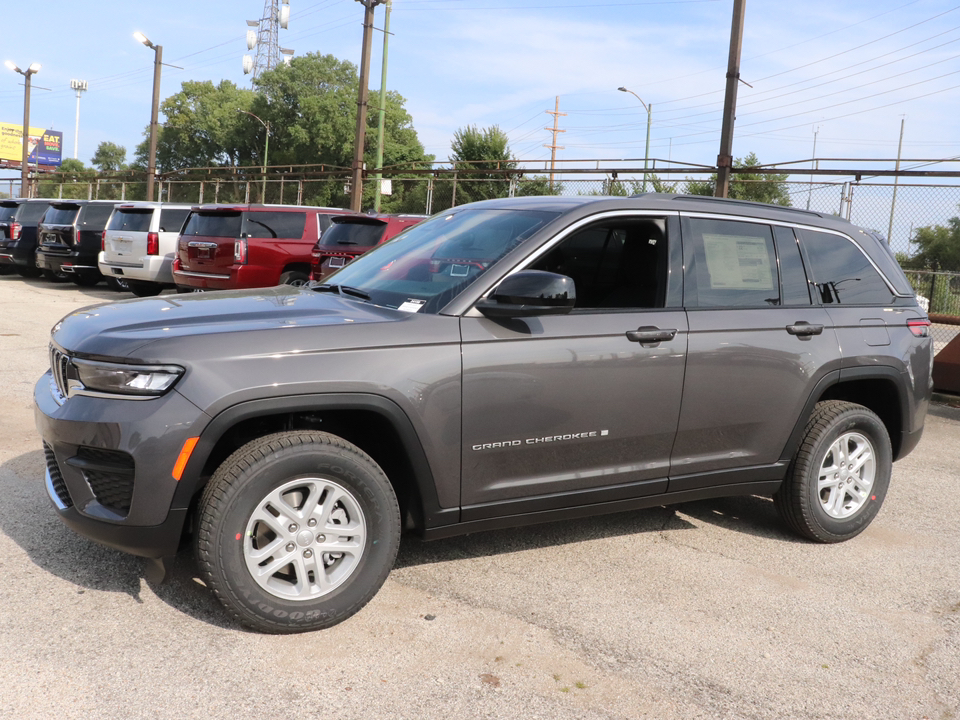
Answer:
(529, 293)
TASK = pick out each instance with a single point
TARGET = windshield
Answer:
(427, 266)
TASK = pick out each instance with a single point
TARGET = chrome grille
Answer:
(59, 366)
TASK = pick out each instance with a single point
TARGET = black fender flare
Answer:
(433, 514)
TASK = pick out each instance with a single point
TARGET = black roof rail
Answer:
(747, 203)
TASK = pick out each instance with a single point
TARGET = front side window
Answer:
(841, 272)
(618, 263)
(733, 264)
(426, 267)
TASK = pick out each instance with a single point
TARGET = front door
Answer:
(563, 410)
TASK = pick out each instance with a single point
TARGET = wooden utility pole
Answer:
(725, 158)
(554, 147)
(896, 183)
(356, 184)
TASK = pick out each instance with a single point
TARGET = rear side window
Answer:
(30, 213)
(213, 224)
(734, 265)
(793, 279)
(841, 272)
(7, 212)
(353, 234)
(61, 214)
(94, 217)
(274, 224)
(171, 219)
(131, 219)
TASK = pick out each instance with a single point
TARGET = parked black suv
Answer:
(70, 238)
(503, 363)
(18, 234)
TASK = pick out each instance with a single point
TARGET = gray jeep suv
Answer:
(503, 363)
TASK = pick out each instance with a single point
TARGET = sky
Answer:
(846, 73)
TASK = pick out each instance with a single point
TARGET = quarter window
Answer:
(841, 271)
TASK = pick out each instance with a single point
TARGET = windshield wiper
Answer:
(342, 290)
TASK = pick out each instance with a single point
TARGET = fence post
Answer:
(453, 194)
(300, 191)
(429, 208)
(281, 189)
(200, 199)
(246, 197)
(933, 289)
(97, 194)
(512, 192)
(123, 191)
(216, 191)
(60, 192)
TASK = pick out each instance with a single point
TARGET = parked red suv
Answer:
(351, 236)
(248, 246)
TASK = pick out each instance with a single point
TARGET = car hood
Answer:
(164, 328)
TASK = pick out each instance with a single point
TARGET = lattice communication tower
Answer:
(264, 35)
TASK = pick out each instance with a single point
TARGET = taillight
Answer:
(15, 231)
(920, 328)
(240, 251)
(103, 241)
(316, 252)
(153, 244)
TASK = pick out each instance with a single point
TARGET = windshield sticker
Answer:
(412, 305)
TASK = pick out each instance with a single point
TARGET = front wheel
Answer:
(295, 278)
(142, 288)
(57, 276)
(298, 530)
(840, 474)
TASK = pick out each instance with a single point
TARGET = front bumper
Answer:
(109, 466)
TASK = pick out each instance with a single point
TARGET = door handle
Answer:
(650, 334)
(804, 329)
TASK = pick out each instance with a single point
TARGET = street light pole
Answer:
(24, 169)
(266, 149)
(152, 160)
(646, 152)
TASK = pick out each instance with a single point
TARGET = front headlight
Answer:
(116, 379)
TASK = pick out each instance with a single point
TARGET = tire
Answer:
(57, 276)
(242, 549)
(118, 284)
(824, 499)
(144, 289)
(295, 278)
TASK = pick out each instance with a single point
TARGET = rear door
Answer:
(207, 242)
(125, 239)
(57, 232)
(757, 347)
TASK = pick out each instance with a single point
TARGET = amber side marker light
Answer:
(185, 454)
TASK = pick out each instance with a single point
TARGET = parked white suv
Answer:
(139, 244)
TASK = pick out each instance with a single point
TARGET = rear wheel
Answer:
(84, 280)
(298, 531)
(295, 278)
(840, 474)
(118, 284)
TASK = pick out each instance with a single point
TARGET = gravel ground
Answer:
(704, 610)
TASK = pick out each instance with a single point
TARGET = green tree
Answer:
(937, 247)
(109, 158)
(476, 149)
(758, 187)
(72, 181)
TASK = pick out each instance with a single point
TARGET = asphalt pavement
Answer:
(705, 610)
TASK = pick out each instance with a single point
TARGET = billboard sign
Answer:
(46, 146)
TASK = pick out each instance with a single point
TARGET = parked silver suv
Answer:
(139, 244)
(502, 363)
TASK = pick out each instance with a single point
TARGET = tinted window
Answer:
(793, 279)
(213, 224)
(94, 217)
(31, 212)
(274, 224)
(61, 214)
(171, 219)
(131, 219)
(348, 235)
(7, 212)
(615, 264)
(734, 265)
(841, 271)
